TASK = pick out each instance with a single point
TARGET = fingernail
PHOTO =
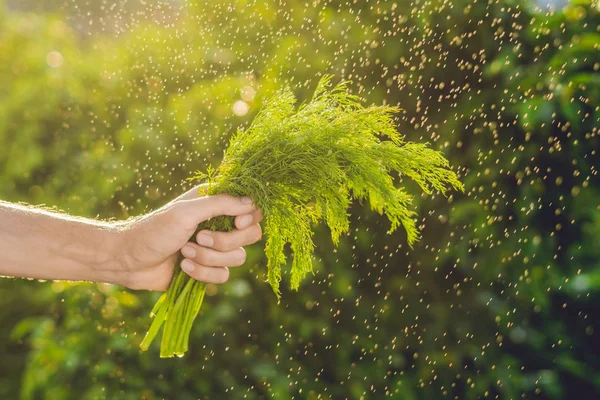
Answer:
(205, 240)
(245, 221)
(246, 200)
(188, 251)
(187, 266)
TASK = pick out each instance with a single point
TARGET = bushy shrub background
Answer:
(105, 114)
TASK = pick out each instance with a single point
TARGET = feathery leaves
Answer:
(303, 167)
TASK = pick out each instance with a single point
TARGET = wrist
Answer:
(110, 259)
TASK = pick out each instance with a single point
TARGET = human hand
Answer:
(151, 245)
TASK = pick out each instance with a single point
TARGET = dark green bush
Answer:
(498, 300)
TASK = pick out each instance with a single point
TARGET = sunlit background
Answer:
(107, 106)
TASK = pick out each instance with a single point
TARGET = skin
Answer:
(138, 254)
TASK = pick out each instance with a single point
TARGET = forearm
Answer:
(35, 243)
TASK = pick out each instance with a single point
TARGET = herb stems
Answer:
(303, 166)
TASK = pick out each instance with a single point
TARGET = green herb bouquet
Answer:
(302, 167)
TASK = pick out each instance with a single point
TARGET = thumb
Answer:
(204, 208)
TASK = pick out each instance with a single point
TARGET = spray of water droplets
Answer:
(112, 105)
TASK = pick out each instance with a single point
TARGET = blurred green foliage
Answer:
(500, 299)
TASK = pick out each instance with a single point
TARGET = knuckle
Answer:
(216, 275)
(224, 198)
(203, 256)
(202, 274)
(178, 213)
(223, 242)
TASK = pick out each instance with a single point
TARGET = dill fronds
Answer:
(302, 167)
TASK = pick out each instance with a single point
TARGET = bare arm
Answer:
(139, 254)
(35, 243)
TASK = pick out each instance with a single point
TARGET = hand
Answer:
(151, 245)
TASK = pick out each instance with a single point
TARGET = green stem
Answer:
(194, 307)
(174, 290)
(159, 303)
(177, 320)
(185, 315)
(177, 309)
(159, 312)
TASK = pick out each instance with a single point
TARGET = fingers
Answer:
(213, 258)
(227, 241)
(206, 259)
(244, 221)
(204, 208)
(202, 273)
(208, 265)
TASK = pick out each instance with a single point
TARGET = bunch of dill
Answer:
(301, 167)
